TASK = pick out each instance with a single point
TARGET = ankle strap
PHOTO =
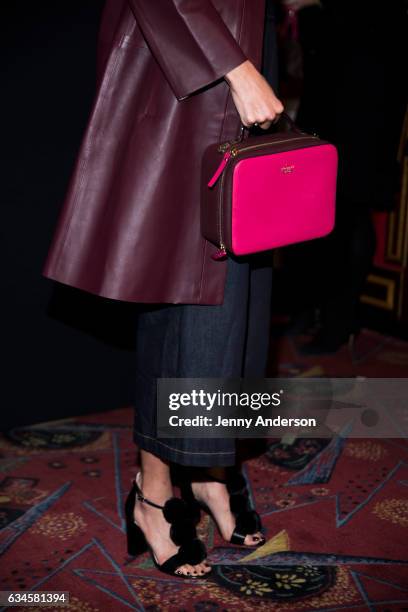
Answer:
(142, 498)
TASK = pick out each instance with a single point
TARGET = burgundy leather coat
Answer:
(129, 228)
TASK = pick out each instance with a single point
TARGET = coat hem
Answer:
(137, 299)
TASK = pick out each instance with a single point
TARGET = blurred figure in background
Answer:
(354, 94)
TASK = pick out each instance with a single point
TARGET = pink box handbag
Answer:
(268, 191)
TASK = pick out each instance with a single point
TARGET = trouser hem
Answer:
(165, 451)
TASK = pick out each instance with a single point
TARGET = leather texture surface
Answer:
(284, 198)
(129, 228)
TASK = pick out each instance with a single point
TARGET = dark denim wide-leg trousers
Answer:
(199, 341)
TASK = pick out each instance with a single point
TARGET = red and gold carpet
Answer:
(337, 536)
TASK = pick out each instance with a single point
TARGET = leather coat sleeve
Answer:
(189, 40)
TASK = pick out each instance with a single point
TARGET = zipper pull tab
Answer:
(221, 254)
(220, 169)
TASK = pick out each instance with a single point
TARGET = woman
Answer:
(174, 76)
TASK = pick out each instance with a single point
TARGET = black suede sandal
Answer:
(247, 519)
(183, 522)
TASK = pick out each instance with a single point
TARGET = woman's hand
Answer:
(253, 97)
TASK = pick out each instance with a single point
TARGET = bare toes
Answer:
(254, 539)
(202, 569)
(183, 570)
(191, 571)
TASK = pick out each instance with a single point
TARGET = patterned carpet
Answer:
(336, 535)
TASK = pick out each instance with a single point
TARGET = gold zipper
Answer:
(220, 215)
(235, 150)
(222, 148)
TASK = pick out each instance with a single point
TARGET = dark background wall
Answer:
(64, 352)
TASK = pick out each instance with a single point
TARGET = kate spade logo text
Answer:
(287, 169)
